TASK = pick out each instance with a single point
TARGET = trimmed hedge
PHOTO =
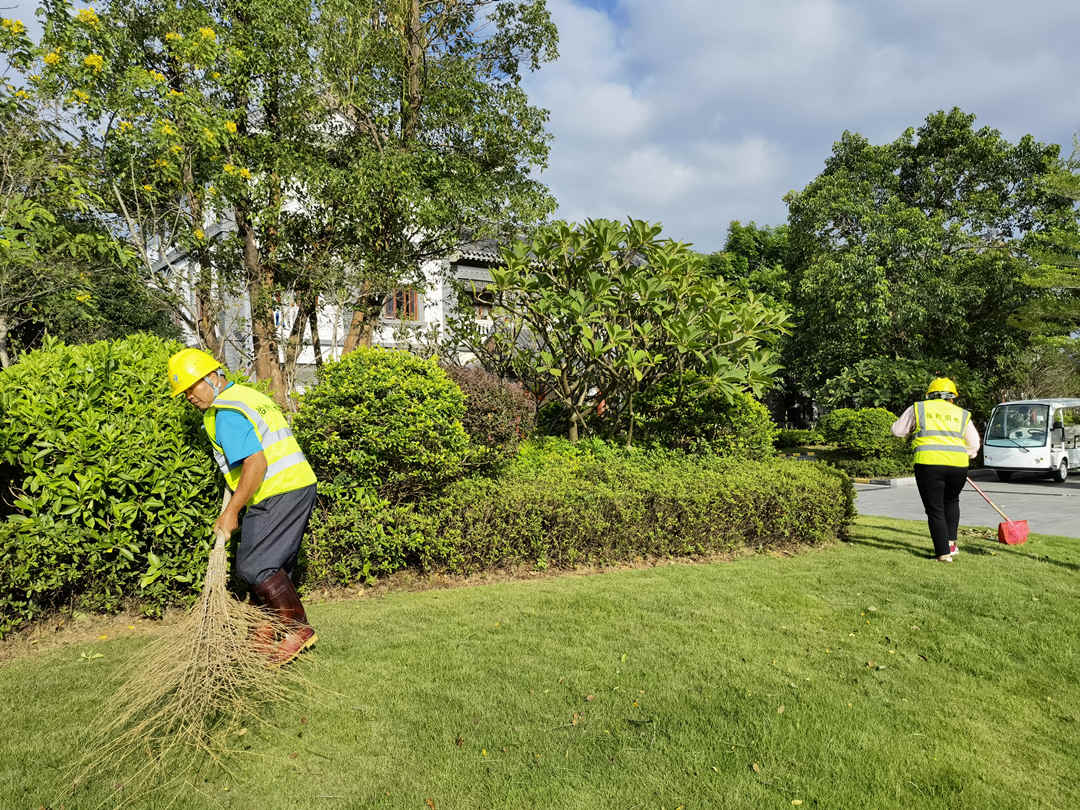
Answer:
(561, 504)
(114, 489)
(383, 419)
(788, 438)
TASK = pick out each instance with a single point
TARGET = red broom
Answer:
(1012, 532)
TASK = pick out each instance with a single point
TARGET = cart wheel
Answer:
(1004, 476)
(1062, 471)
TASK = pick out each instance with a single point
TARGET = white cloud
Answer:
(694, 112)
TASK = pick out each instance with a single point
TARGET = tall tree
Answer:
(605, 310)
(367, 134)
(918, 248)
(61, 270)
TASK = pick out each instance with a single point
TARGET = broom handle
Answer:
(987, 499)
(219, 535)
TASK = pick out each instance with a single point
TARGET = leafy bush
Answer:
(682, 414)
(561, 504)
(360, 536)
(831, 425)
(498, 415)
(113, 488)
(866, 433)
(787, 438)
(877, 467)
(564, 507)
(383, 419)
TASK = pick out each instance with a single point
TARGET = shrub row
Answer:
(561, 505)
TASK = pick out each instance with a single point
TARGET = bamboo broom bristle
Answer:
(186, 694)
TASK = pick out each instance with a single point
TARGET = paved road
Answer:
(1048, 508)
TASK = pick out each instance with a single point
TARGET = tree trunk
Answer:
(260, 284)
(413, 33)
(295, 343)
(5, 360)
(316, 344)
(360, 332)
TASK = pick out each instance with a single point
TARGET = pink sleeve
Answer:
(905, 424)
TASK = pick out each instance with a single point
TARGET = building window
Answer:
(402, 305)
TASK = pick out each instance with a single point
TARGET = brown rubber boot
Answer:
(279, 596)
(261, 635)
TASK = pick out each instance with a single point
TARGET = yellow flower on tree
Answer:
(80, 96)
(161, 164)
(95, 61)
(207, 33)
(87, 16)
(51, 58)
(147, 187)
(199, 233)
(215, 75)
(21, 94)
(82, 297)
(168, 129)
(230, 127)
(209, 136)
(173, 92)
(245, 174)
(124, 126)
(176, 149)
(157, 76)
(14, 26)
(229, 168)
(173, 36)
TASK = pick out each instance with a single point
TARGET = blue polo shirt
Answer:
(235, 434)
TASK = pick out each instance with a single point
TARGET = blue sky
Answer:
(697, 112)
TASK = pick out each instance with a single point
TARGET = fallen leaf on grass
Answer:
(796, 802)
(590, 697)
(303, 721)
(430, 803)
(756, 768)
(780, 709)
(575, 719)
(294, 755)
(459, 741)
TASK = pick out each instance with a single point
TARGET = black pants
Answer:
(939, 487)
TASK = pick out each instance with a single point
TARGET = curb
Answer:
(908, 481)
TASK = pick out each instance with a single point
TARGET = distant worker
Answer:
(943, 439)
(268, 474)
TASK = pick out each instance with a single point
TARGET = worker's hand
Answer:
(226, 523)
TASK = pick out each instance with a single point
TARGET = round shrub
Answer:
(866, 434)
(832, 425)
(383, 419)
(498, 415)
(688, 416)
(108, 487)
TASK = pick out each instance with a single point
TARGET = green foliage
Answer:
(602, 311)
(384, 419)
(562, 504)
(920, 246)
(564, 507)
(787, 438)
(498, 415)
(873, 467)
(864, 433)
(680, 412)
(897, 383)
(112, 488)
(359, 536)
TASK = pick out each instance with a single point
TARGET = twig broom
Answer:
(187, 693)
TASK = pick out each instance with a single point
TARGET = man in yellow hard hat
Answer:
(943, 439)
(270, 480)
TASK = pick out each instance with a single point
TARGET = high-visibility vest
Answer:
(287, 468)
(939, 433)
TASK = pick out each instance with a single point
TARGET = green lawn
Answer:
(860, 675)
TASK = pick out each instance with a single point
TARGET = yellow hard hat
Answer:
(942, 385)
(187, 367)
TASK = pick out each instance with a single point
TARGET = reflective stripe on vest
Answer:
(939, 433)
(286, 467)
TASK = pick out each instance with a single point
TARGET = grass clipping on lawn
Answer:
(186, 698)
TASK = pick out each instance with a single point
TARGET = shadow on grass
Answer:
(970, 543)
